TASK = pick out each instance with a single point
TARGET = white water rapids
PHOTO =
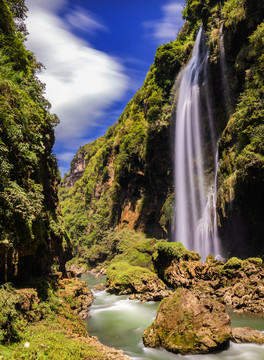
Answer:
(195, 210)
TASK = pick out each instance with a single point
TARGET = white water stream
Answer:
(119, 322)
(195, 211)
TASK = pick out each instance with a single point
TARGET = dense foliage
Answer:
(40, 322)
(30, 230)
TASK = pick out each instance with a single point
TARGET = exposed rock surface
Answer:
(99, 287)
(187, 324)
(77, 168)
(82, 297)
(237, 283)
(76, 270)
(97, 272)
(123, 278)
(109, 353)
(247, 335)
(151, 295)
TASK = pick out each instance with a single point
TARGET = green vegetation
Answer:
(123, 278)
(175, 250)
(241, 144)
(52, 344)
(127, 179)
(233, 263)
(39, 323)
(30, 223)
(121, 245)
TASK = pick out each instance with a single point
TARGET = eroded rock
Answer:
(99, 287)
(79, 293)
(247, 335)
(187, 324)
(236, 283)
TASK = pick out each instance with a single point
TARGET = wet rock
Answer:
(151, 296)
(247, 335)
(188, 324)
(99, 287)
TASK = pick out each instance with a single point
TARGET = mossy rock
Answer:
(186, 324)
(233, 263)
(176, 250)
(256, 261)
(123, 278)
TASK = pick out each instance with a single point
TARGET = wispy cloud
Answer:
(83, 20)
(168, 26)
(81, 82)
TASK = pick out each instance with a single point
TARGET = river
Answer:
(119, 322)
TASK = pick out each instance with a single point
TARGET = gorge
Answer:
(124, 210)
(127, 178)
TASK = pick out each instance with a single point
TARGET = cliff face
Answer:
(77, 168)
(241, 176)
(127, 180)
(31, 233)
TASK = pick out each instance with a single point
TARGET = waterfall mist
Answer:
(195, 193)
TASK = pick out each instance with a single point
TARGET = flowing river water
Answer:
(119, 322)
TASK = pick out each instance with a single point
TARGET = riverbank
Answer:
(41, 320)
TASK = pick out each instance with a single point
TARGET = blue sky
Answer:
(96, 56)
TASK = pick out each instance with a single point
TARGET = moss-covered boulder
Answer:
(177, 266)
(123, 278)
(187, 324)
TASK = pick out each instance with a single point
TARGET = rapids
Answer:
(119, 322)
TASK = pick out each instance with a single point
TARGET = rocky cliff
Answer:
(31, 232)
(127, 180)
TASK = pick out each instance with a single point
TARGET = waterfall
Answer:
(195, 210)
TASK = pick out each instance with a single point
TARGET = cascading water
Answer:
(195, 210)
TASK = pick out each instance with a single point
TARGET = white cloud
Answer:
(81, 82)
(166, 29)
(84, 20)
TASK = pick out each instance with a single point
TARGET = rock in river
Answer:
(187, 324)
(123, 278)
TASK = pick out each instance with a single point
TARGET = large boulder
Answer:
(187, 324)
